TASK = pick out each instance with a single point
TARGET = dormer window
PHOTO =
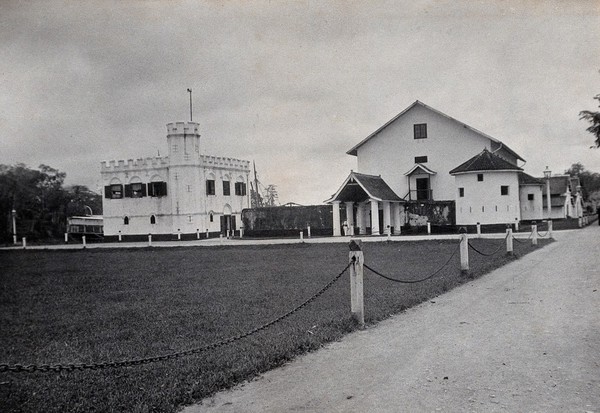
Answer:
(420, 130)
(420, 159)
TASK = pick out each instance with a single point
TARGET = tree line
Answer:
(41, 202)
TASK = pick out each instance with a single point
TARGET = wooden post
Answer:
(24, 241)
(509, 241)
(550, 229)
(464, 252)
(517, 224)
(197, 233)
(429, 228)
(206, 233)
(66, 237)
(301, 236)
(83, 240)
(149, 240)
(534, 234)
(356, 282)
(308, 230)
(389, 233)
(241, 232)
(178, 234)
(478, 229)
(120, 236)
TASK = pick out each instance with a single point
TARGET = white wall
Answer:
(483, 201)
(448, 144)
(531, 210)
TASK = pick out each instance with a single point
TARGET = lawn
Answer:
(86, 306)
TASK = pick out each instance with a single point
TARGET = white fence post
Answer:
(516, 224)
(301, 236)
(389, 233)
(149, 240)
(206, 233)
(357, 260)
(429, 228)
(464, 252)
(550, 229)
(24, 241)
(66, 237)
(308, 230)
(534, 234)
(241, 232)
(221, 239)
(83, 241)
(197, 233)
(178, 234)
(120, 236)
(478, 229)
(509, 241)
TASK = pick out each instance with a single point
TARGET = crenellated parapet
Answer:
(180, 128)
(134, 164)
(224, 162)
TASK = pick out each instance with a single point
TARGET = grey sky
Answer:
(292, 85)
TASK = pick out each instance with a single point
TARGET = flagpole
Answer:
(190, 90)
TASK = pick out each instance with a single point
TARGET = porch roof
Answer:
(421, 167)
(361, 187)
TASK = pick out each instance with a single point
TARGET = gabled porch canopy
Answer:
(360, 187)
(420, 168)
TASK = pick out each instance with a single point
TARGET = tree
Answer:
(589, 181)
(271, 197)
(594, 119)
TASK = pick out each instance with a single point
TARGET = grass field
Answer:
(105, 305)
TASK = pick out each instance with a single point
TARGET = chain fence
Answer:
(393, 279)
(490, 253)
(32, 368)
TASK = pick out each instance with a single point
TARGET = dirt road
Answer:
(524, 338)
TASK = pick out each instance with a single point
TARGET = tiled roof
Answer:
(361, 187)
(559, 184)
(525, 179)
(485, 161)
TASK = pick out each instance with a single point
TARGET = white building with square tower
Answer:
(183, 193)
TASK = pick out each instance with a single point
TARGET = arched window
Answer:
(211, 217)
(153, 219)
(126, 221)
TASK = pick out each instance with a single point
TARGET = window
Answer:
(420, 159)
(504, 190)
(152, 220)
(113, 191)
(174, 149)
(530, 197)
(211, 217)
(480, 177)
(126, 221)
(420, 130)
(189, 218)
(210, 187)
(240, 188)
(461, 192)
(226, 188)
(137, 190)
(157, 189)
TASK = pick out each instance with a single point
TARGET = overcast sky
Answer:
(291, 85)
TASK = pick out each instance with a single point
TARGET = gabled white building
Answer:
(186, 192)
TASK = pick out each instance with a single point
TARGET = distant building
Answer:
(185, 192)
(565, 197)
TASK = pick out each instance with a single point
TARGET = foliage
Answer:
(594, 119)
(41, 203)
(101, 305)
(590, 181)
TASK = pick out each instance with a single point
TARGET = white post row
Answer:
(509, 241)
(464, 252)
(357, 260)
(534, 234)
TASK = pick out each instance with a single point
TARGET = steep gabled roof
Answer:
(374, 187)
(421, 167)
(525, 179)
(485, 161)
(354, 149)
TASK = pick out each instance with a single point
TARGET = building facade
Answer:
(183, 193)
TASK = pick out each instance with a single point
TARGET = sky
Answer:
(291, 85)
